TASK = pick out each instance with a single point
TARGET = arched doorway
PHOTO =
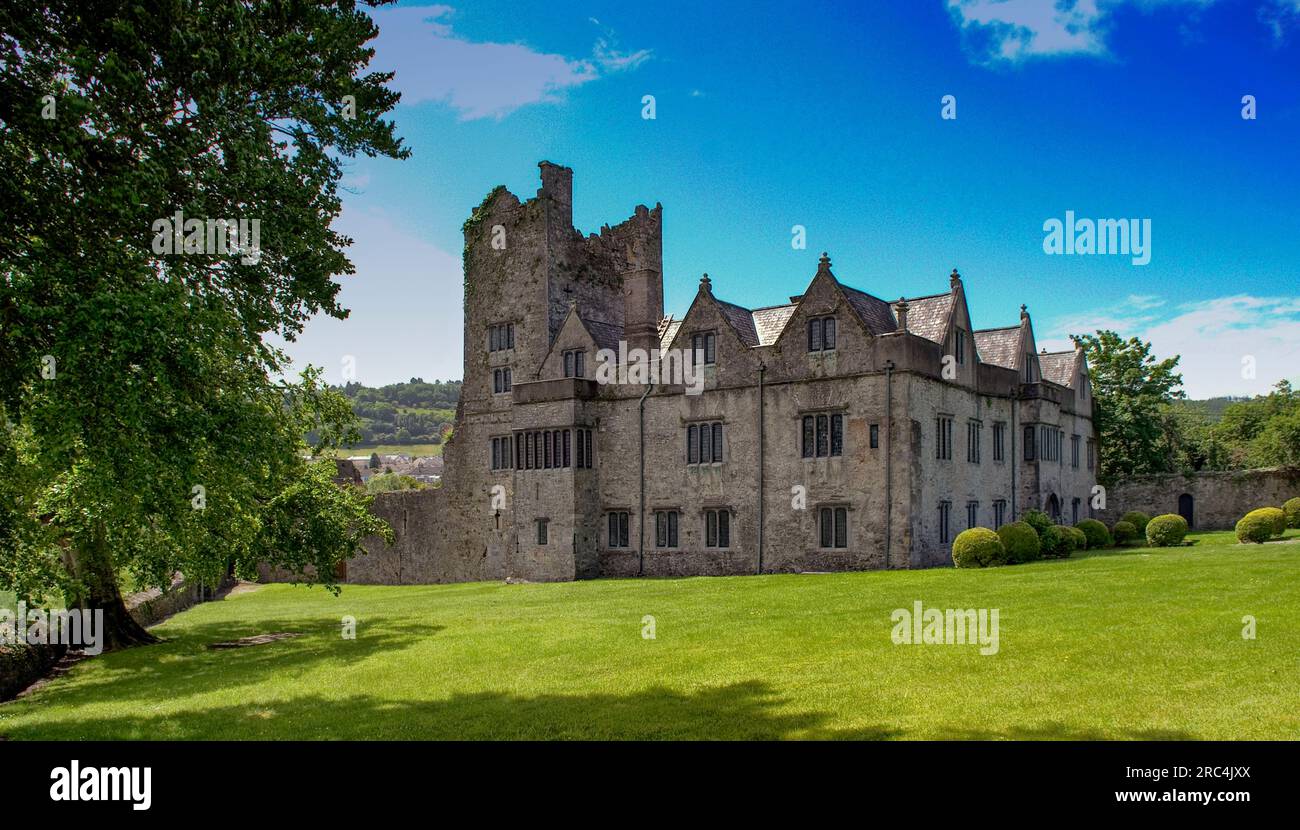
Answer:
(1186, 508)
(1054, 508)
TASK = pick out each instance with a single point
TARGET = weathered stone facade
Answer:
(895, 384)
(1208, 500)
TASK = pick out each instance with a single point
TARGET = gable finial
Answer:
(955, 279)
(824, 264)
(706, 284)
(1024, 312)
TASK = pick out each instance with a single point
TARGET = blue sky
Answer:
(829, 116)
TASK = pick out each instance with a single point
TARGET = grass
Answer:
(1133, 643)
(413, 450)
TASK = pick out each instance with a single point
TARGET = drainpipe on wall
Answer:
(1015, 459)
(761, 369)
(889, 457)
(640, 525)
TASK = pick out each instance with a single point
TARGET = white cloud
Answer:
(1216, 340)
(1281, 17)
(481, 80)
(1015, 30)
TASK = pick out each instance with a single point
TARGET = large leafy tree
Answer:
(145, 424)
(1131, 390)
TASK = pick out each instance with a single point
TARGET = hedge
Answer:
(1138, 519)
(1021, 542)
(1080, 538)
(1124, 532)
(1275, 516)
(1166, 531)
(1098, 535)
(1254, 528)
(1057, 542)
(1038, 520)
(978, 547)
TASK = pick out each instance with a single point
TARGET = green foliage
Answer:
(1098, 535)
(1166, 531)
(165, 377)
(1020, 541)
(1292, 510)
(417, 412)
(1057, 542)
(1138, 519)
(390, 481)
(1255, 528)
(1038, 520)
(978, 547)
(1130, 390)
(1274, 516)
(1263, 431)
(1080, 538)
(1124, 532)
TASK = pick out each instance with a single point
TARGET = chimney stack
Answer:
(900, 311)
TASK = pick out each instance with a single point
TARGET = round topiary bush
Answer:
(1098, 535)
(1166, 531)
(1020, 541)
(1124, 532)
(1275, 516)
(1254, 528)
(978, 547)
(1292, 511)
(1057, 542)
(1080, 538)
(1138, 519)
(1038, 520)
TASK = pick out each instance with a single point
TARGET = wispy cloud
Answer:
(1010, 31)
(1281, 17)
(1218, 340)
(482, 80)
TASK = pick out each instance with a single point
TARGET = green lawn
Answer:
(1137, 643)
(413, 450)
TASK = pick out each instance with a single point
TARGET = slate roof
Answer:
(741, 319)
(999, 346)
(1058, 367)
(605, 334)
(876, 314)
(928, 316)
(668, 330)
(769, 322)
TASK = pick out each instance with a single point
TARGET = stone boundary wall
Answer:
(1219, 499)
(23, 665)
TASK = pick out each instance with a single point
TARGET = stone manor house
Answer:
(836, 431)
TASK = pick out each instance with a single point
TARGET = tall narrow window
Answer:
(703, 347)
(541, 531)
(833, 527)
(717, 528)
(568, 364)
(999, 440)
(972, 513)
(1029, 443)
(587, 434)
(1074, 511)
(999, 513)
(837, 434)
(809, 449)
(945, 511)
(618, 529)
(693, 444)
(822, 429)
(706, 444)
(666, 529)
(959, 345)
(566, 449)
(973, 429)
(717, 442)
(1074, 451)
(815, 335)
(943, 438)
(875, 436)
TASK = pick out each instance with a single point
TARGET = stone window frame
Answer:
(833, 415)
(817, 333)
(959, 345)
(502, 380)
(1075, 441)
(943, 436)
(972, 514)
(874, 438)
(945, 521)
(672, 528)
(709, 338)
(543, 530)
(624, 530)
(999, 512)
(575, 363)
(974, 432)
(836, 509)
(499, 332)
(502, 453)
(999, 442)
(718, 512)
(717, 441)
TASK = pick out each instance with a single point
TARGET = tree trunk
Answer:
(92, 565)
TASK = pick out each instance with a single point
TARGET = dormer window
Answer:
(575, 363)
(821, 334)
(703, 348)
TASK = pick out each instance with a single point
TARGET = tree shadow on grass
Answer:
(182, 665)
(747, 710)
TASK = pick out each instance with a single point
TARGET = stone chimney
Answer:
(900, 311)
(643, 282)
(557, 190)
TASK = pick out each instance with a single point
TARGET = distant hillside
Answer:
(1211, 408)
(416, 412)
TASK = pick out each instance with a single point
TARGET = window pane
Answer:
(692, 444)
(710, 529)
(613, 530)
(826, 527)
(807, 436)
(724, 529)
(821, 436)
(661, 530)
(566, 449)
(828, 333)
(875, 436)
(622, 529)
(709, 355)
(587, 434)
(837, 434)
(510, 335)
(706, 444)
(841, 527)
(580, 364)
(568, 364)
(717, 442)
(672, 529)
(814, 335)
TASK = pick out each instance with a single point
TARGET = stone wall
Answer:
(1218, 499)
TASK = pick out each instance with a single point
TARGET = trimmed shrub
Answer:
(1038, 520)
(1138, 519)
(1292, 511)
(1254, 528)
(1166, 531)
(1275, 516)
(978, 547)
(1021, 542)
(1057, 542)
(1124, 532)
(1080, 538)
(1098, 535)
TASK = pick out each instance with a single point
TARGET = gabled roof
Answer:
(1058, 367)
(741, 319)
(876, 314)
(928, 316)
(606, 335)
(1001, 347)
(770, 322)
